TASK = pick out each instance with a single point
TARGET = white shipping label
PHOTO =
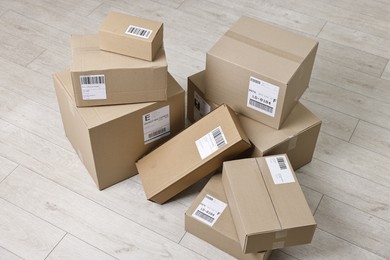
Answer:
(211, 142)
(209, 210)
(262, 96)
(156, 124)
(93, 87)
(280, 169)
(201, 108)
(138, 31)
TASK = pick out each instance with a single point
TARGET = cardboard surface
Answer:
(297, 137)
(177, 164)
(131, 36)
(222, 234)
(259, 70)
(109, 139)
(268, 207)
(126, 79)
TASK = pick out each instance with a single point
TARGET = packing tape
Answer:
(281, 234)
(278, 244)
(263, 46)
(292, 142)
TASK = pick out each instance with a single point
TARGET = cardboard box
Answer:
(209, 218)
(197, 104)
(259, 70)
(106, 78)
(297, 137)
(267, 204)
(191, 155)
(131, 36)
(109, 139)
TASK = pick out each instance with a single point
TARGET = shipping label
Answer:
(156, 124)
(209, 210)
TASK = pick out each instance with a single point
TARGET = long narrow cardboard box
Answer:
(110, 139)
(209, 218)
(267, 204)
(191, 155)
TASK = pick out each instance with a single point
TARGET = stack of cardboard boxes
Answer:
(118, 100)
(244, 105)
(256, 205)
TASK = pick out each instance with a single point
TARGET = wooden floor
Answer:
(50, 207)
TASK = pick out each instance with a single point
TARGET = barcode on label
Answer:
(204, 216)
(261, 106)
(158, 132)
(282, 163)
(219, 140)
(92, 80)
(255, 80)
(139, 31)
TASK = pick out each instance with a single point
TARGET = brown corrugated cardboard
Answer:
(106, 78)
(109, 139)
(131, 36)
(297, 137)
(197, 104)
(267, 204)
(221, 232)
(259, 70)
(192, 154)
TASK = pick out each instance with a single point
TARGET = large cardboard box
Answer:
(209, 218)
(132, 36)
(297, 137)
(259, 70)
(191, 155)
(267, 204)
(106, 78)
(109, 139)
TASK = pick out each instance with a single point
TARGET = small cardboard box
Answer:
(209, 218)
(267, 204)
(106, 78)
(192, 154)
(109, 139)
(297, 137)
(131, 36)
(259, 70)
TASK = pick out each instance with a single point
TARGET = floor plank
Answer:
(325, 246)
(348, 223)
(349, 103)
(362, 162)
(361, 83)
(32, 117)
(71, 247)
(6, 168)
(386, 72)
(30, 84)
(18, 50)
(8, 255)
(356, 39)
(372, 137)
(50, 62)
(334, 123)
(87, 220)
(33, 31)
(354, 59)
(347, 188)
(24, 234)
